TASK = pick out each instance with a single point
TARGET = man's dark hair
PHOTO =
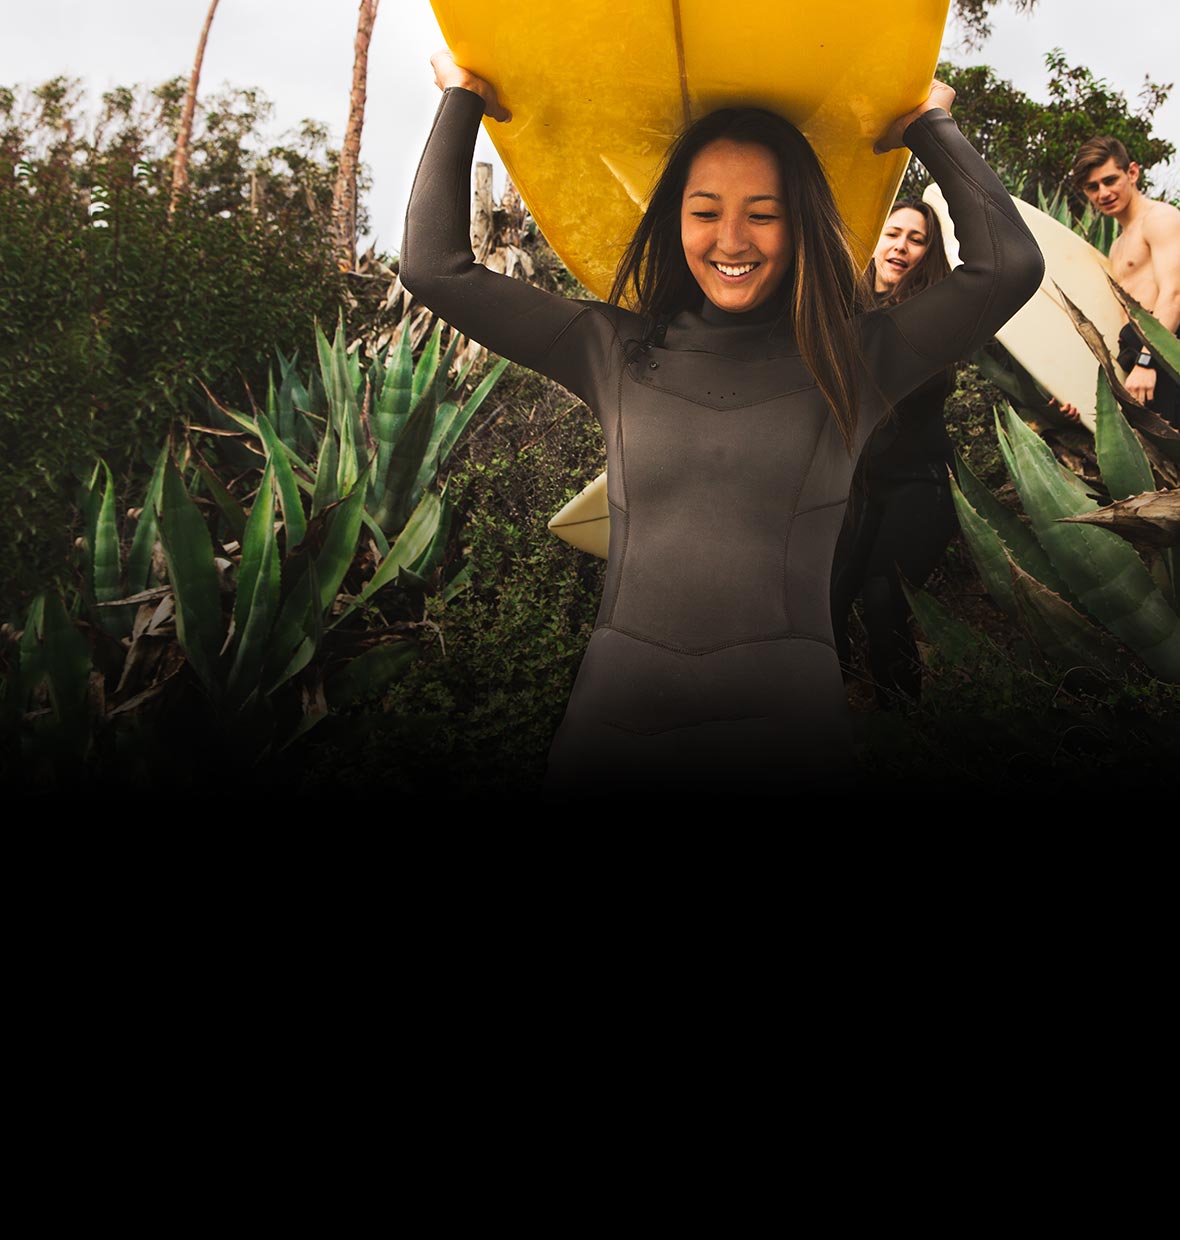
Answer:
(1094, 154)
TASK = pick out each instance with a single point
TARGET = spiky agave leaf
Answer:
(188, 552)
(1103, 573)
(1120, 454)
(1165, 347)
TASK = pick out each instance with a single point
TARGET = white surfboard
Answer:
(585, 521)
(1041, 335)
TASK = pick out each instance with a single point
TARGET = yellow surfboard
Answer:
(599, 88)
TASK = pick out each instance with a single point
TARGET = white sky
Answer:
(299, 52)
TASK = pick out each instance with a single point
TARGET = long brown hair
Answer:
(929, 269)
(822, 292)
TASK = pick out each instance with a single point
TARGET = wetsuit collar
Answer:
(759, 333)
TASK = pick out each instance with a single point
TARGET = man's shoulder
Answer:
(1161, 221)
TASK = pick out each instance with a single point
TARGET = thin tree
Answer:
(185, 133)
(344, 194)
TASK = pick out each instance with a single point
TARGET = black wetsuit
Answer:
(900, 518)
(1166, 401)
(712, 659)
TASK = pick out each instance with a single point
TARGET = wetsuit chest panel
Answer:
(711, 498)
(719, 382)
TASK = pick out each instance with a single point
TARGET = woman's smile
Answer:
(733, 225)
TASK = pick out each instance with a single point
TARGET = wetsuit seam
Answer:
(833, 503)
(704, 404)
(697, 651)
(553, 343)
(794, 514)
(622, 558)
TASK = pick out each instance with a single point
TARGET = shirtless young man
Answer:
(1145, 260)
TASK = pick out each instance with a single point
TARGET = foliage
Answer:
(1031, 145)
(995, 721)
(1057, 579)
(108, 310)
(477, 712)
(273, 607)
(973, 15)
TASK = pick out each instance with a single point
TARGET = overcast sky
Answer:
(300, 53)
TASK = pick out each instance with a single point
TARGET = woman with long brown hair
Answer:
(900, 516)
(735, 390)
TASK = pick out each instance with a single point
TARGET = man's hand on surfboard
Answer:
(941, 96)
(447, 73)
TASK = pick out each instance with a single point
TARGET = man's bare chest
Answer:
(1130, 263)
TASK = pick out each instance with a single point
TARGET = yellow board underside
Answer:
(599, 88)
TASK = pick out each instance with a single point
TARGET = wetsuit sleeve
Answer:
(436, 264)
(1002, 268)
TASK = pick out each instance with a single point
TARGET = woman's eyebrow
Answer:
(704, 193)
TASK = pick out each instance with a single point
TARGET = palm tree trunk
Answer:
(344, 194)
(184, 137)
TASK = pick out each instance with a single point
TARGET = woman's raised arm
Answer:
(1002, 265)
(436, 262)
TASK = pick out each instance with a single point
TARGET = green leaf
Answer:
(326, 490)
(289, 498)
(378, 534)
(231, 510)
(188, 551)
(67, 668)
(108, 576)
(1063, 634)
(139, 563)
(390, 411)
(432, 557)
(299, 629)
(1120, 454)
(458, 583)
(1165, 347)
(444, 369)
(1103, 572)
(459, 423)
(988, 553)
(406, 464)
(369, 674)
(345, 413)
(414, 540)
(257, 600)
(954, 640)
(339, 546)
(426, 371)
(1015, 535)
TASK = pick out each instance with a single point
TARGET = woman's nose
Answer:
(732, 236)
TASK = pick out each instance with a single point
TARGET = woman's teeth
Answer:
(727, 270)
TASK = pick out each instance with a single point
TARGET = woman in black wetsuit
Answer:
(900, 514)
(734, 400)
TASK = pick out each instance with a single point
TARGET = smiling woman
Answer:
(733, 225)
(736, 375)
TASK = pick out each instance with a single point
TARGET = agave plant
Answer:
(1081, 592)
(273, 603)
(1091, 225)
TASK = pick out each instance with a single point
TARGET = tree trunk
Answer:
(184, 136)
(344, 194)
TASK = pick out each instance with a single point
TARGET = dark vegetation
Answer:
(110, 311)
